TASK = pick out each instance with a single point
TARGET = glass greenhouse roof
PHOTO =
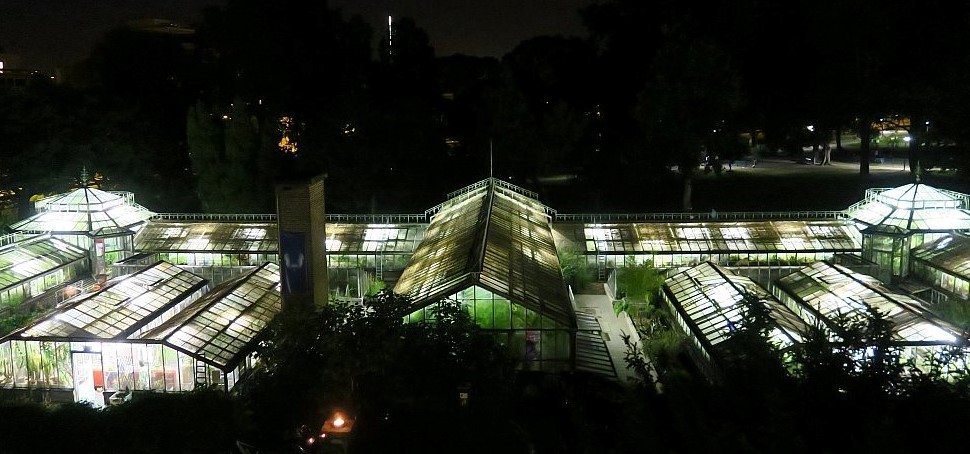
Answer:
(706, 237)
(220, 326)
(913, 207)
(123, 306)
(217, 237)
(495, 236)
(374, 238)
(950, 253)
(709, 298)
(24, 260)
(86, 211)
(830, 291)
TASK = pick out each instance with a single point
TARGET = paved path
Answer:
(612, 329)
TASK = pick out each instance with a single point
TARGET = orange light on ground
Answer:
(338, 423)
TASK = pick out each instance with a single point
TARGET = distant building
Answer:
(12, 73)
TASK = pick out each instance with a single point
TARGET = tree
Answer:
(691, 95)
(367, 358)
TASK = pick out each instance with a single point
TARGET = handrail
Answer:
(405, 218)
(217, 217)
(397, 218)
(16, 237)
(712, 216)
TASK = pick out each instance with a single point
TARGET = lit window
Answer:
(735, 233)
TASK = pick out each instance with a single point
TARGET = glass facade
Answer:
(194, 341)
(124, 306)
(222, 325)
(945, 265)
(705, 302)
(210, 243)
(823, 292)
(86, 211)
(31, 267)
(539, 342)
(728, 243)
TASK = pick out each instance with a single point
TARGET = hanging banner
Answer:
(294, 261)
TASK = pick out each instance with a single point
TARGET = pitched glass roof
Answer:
(221, 325)
(709, 297)
(374, 238)
(218, 237)
(913, 207)
(950, 253)
(728, 236)
(829, 290)
(36, 256)
(123, 306)
(495, 236)
(86, 211)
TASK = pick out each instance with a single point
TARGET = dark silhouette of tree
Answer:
(692, 94)
(366, 358)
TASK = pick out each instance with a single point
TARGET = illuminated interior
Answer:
(86, 211)
(894, 221)
(706, 302)
(32, 266)
(491, 248)
(152, 330)
(824, 293)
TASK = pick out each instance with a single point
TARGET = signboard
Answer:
(295, 263)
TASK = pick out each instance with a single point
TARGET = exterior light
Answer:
(810, 128)
(337, 424)
(907, 139)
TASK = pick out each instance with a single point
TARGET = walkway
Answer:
(612, 329)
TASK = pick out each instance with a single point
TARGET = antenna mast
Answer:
(491, 159)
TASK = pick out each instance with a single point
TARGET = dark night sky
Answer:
(48, 33)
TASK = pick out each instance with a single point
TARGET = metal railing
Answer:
(718, 216)
(874, 194)
(397, 218)
(16, 237)
(378, 218)
(215, 217)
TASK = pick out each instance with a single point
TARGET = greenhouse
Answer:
(218, 331)
(945, 265)
(706, 302)
(210, 243)
(826, 293)
(97, 221)
(894, 221)
(363, 255)
(733, 243)
(490, 247)
(31, 266)
(84, 345)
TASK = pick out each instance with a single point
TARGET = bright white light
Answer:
(598, 234)
(378, 234)
(333, 244)
(338, 422)
(944, 242)
(907, 139)
(810, 128)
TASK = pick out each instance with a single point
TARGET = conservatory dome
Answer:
(913, 207)
(86, 211)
